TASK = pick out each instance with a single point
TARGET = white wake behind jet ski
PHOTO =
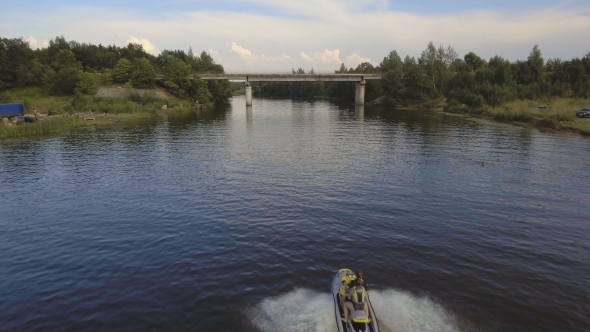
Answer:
(357, 320)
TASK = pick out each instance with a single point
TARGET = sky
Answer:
(277, 35)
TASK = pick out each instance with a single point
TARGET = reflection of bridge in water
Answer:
(247, 78)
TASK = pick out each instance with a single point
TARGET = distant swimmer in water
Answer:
(483, 164)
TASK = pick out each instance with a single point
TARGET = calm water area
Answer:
(235, 219)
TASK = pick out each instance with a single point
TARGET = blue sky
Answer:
(416, 6)
(278, 34)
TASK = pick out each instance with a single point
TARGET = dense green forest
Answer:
(439, 73)
(71, 68)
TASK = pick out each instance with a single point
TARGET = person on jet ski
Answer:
(360, 281)
(356, 300)
(345, 282)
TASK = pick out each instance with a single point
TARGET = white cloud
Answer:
(359, 29)
(34, 43)
(239, 50)
(213, 52)
(354, 60)
(147, 45)
(325, 57)
(261, 58)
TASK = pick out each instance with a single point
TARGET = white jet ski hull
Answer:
(338, 310)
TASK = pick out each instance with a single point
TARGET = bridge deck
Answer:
(292, 77)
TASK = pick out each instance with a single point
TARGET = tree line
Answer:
(71, 68)
(439, 73)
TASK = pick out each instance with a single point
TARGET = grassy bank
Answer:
(58, 115)
(55, 125)
(560, 113)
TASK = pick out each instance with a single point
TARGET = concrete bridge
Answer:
(359, 79)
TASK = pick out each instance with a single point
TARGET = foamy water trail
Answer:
(303, 310)
(399, 311)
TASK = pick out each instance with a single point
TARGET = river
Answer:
(236, 220)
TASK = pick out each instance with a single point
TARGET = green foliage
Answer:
(364, 67)
(79, 103)
(416, 85)
(37, 70)
(474, 62)
(107, 77)
(392, 62)
(86, 84)
(145, 99)
(65, 59)
(144, 75)
(199, 64)
(51, 126)
(200, 91)
(176, 76)
(61, 83)
(180, 81)
(495, 95)
(393, 85)
(64, 69)
(221, 91)
(536, 64)
(470, 82)
(15, 59)
(122, 71)
(176, 70)
(172, 87)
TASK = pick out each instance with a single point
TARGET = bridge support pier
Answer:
(248, 94)
(359, 98)
(359, 111)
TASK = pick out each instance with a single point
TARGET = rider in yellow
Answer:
(356, 304)
(344, 286)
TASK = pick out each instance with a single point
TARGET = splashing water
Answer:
(402, 312)
(301, 310)
(304, 310)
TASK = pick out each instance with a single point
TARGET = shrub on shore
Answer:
(49, 126)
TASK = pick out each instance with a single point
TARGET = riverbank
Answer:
(58, 115)
(557, 113)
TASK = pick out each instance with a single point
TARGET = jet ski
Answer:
(357, 320)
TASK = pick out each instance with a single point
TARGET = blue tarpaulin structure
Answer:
(12, 110)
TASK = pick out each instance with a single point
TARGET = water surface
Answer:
(236, 219)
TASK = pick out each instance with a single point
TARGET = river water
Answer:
(236, 220)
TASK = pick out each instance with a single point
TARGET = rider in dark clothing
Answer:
(359, 280)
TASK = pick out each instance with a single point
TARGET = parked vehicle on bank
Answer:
(583, 113)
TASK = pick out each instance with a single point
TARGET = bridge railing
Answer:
(274, 76)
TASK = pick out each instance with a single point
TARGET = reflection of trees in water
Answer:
(423, 121)
(178, 122)
(21, 155)
(132, 132)
(303, 113)
(437, 127)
